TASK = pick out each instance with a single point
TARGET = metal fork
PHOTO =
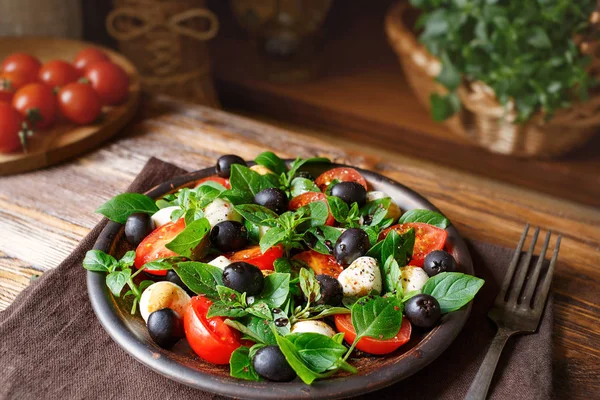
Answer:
(514, 311)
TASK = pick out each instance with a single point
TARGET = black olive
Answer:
(272, 198)
(439, 261)
(137, 227)
(243, 277)
(225, 162)
(304, 174)
(350, 192)
(270, 363)
(229, 236)
(422, 310)
(332, 292)
(351, 244)
(174, 278)
(165, 327)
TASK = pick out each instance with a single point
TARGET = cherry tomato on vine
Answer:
(79, 103)
(37, 104)
(25, 64)
(10, 125)
(87, 57)
(58, 73)
(110, 82)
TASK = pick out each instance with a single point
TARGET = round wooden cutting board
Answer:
(65, 140)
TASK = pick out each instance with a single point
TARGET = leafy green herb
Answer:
(192, 242)
(256, 329)
(310, 286)
(348, 217)
(374, 212)
(163, 263)
(200, 278)
(293, 358)
(260, 310)
(322, 238)
(120, 207)
(97, 260)
(287, 229)
(286, 178)
(257, 214)
(271, 161)
(276, 289)
(245, 184)
(425, 216)
(319, 353)
(317, 212)
(302, 185)
(240, 365)
(452, 289)
(392, 277)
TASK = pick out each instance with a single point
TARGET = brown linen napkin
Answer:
(52, 345)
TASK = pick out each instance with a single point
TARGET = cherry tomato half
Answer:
(26, 65)
(320, 263)
(342, 174)
(218, 179)
(87, 57)
(210, 338)
(79, 103)
(308, 197)
(153, 245)
(58, 73)
(37, 104)
(110, 82)
(427, 239)
(10, 126)
(254, 256)
(343, 323)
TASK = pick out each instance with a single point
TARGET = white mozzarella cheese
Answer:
(261, 169)
(220, 262)
(161, 295)
(314, 327)
(413, 278)
(361, 277)
(220, 210)
(163, 216)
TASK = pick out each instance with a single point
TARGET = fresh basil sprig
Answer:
(374, 212)
(245, 184)
(452, 289)
(192, 242)
(271, 161)
(120, 207)
(240, 364)
(200, 278)
(286, 229)
(322, 238)
(348, 217)
(425, 216)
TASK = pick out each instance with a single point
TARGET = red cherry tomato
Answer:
(320, 263)
(254, 256)
(110, 82)
(210, 338)
(87, 57)
(308, 197)
(25, 64)
(218, 179)
(37, 104)
(342, 174)
(79, 103)
(343, 323)
(427, 239)
(10, 126)
(153, 245)
(6, 90)
(58, 73)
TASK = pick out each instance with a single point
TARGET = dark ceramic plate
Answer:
(182, 365)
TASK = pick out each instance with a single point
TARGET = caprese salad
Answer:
(280, 274)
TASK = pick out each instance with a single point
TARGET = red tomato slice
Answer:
(254, 256)
(320, 263)
(153, 245)
(218, 179)
(308, 197)
(427, 239)
(343, 323)
(342, 174)
(210, 338)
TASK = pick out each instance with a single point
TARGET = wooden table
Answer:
(43, 215)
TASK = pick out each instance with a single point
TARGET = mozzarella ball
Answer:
(161, 295)
(393, 210)
(361, 277)
(163, 216)
(261, 169)
(220, 262)
(314, 327)
(220, 210)
(413, 278)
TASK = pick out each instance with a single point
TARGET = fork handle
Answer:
(481, 383)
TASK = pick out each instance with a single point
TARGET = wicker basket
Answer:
(482, 118)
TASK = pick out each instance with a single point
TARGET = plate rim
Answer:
(423, 353)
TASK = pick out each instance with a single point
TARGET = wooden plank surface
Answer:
(363, 96)
(44, 214)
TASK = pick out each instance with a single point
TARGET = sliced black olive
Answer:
(137, 227)
(243, 277)
(225, 162)
(270, 363)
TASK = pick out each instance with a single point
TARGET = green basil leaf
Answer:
(449, 76)
(282, 265)
(392, 277)
(375, 211)
(296, 362)
(244, 180)
(192, 242)
(240, 365)
(425, 216)
(318, 352)
(231, 297)
(128, 259)
(177, 214)
(236, 196)
(222, 309)
(325, 311)
(443, 107)
(377, 317)
(303, 185)
(392, 247)
(120, 207)
(201, 278)
(272, 237)
(309, 285)
(257, 329)
(163, 263)
(298, 163)
(276, 289)
(271, 161)
(375, 251)
(257, 214)
(373, 234)
(317, 211)
(339, 209)
(260, 310)
(452, 289)
(97, 260)
(322, 238)
(116, 280)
